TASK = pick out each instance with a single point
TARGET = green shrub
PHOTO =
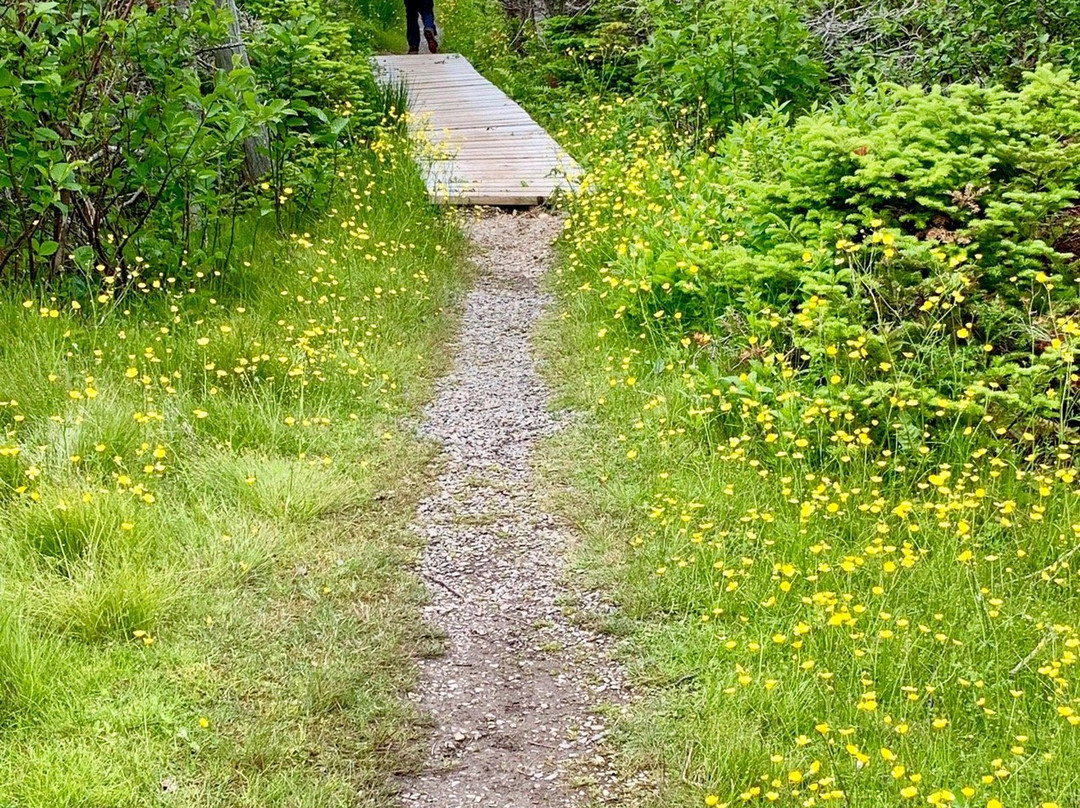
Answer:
(709, 64)
(591, 49)
(972, 170)
(124, 158)
(904, 259)
(317, 61)
(115, 150)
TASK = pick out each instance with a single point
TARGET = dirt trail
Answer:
(514, 698)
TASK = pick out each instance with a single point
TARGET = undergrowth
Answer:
(830, 464)
(204, 596)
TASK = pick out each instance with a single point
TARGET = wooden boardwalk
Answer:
(476, 146)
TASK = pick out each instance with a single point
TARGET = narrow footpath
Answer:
(514, 699)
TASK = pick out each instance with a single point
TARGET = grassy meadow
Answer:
(800, 636)
(820, 314)
(204, 594)
(829, 465)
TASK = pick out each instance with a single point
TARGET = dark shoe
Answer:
(432, 42)
(414, 50)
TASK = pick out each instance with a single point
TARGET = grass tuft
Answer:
(96, 602)
(293, 490)
(28, 668)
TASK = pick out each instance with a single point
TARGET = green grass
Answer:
(205, 596)
(799, 632)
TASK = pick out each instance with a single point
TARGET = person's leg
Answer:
(412, 26)
(427, 14)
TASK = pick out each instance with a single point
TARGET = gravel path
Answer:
(514, 698)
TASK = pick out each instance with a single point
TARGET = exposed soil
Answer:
(515, 698)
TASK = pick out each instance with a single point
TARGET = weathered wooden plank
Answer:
(504, 166)
(488, 135)
(475, 145)
(496, 151)
(479, 112)
(508, 166)
(493, 185)
(475, 174)
(461, 104)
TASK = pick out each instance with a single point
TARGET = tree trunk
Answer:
(256, 146)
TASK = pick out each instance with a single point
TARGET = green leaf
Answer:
(84, 255)
(61, 172)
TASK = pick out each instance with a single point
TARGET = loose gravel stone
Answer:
(515, 697)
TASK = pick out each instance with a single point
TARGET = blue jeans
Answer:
(414, 9)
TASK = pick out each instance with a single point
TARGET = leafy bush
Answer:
(317, 63)
(908, 246)
(981, 169)
(590, 49)
(128, 149)
(114, 143)
(709, 64)
(314, 59)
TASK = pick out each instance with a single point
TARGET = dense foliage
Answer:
(936, 230)
(942, 41)
(135, 134)
(703, 66)
(710, 64)
(111, 140)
